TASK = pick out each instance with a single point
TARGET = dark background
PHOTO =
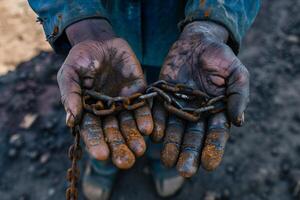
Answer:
(261, 160)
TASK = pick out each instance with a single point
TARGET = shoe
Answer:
(98, 180)
(167, 181)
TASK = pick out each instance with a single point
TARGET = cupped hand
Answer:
(202, 60)
(106, 64)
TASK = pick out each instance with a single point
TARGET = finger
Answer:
(189, 158)
(159, 118)
(172, 141)
(70, 90)
(122, 157)
(144, 120)
(92, 134)
(238, 93)
(215, 141)
(133, 138)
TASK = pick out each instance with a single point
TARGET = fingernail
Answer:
(70, 120)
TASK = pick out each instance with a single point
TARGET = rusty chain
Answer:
(73, 173)
(176, 96)
(173, 97)
(102, 105)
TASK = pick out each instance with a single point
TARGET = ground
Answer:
(261, 159)
(21, 37)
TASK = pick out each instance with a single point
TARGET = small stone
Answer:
(28, 120)
(44, 158)
(51, 192)
(292, 38)
(16, 140)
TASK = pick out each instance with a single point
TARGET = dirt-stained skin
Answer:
(201, 59)
(133, 137)
(189, 158)
(172, 141)
(213, 151)
(122, 157)
(159, 127)
(93, 137)
(102, 62)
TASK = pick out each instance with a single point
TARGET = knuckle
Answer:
(120, 43)
(219, 48)
(242, 75)
(245, 71)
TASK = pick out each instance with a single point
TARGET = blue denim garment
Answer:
(150, 26)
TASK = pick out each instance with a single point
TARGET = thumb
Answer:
(238, 93)
(70, 90)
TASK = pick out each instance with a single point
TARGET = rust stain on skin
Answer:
(144, 120)
(159, 116)
(122, 157)
(188, 163)
(172, 141)
(169, 155)
(93, 137)
(212, 154)
(132, 136)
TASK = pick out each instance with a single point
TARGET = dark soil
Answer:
(261, 159)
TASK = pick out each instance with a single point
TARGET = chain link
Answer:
(175, 95)
(102, 105)
(172, 95)
(73, 173)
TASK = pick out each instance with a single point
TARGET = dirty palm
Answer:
(111, 68)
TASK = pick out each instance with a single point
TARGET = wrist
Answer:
(89, 29)
(205, 29)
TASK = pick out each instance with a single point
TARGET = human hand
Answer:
(201, 59)
(102, 62)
